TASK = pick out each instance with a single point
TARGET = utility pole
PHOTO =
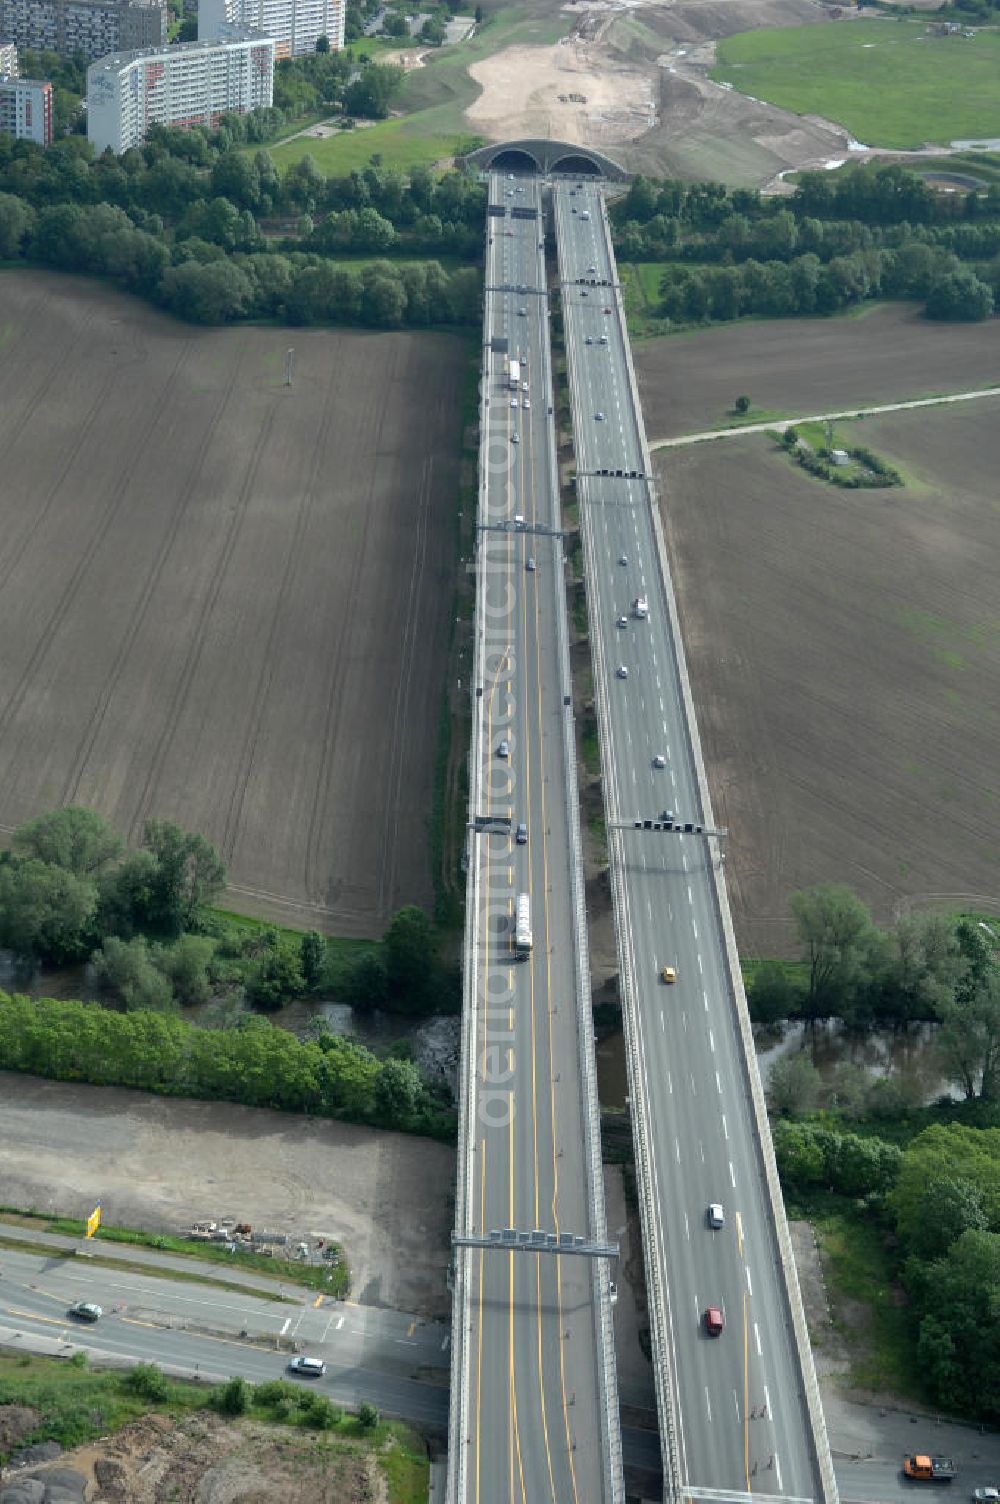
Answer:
(289, 366)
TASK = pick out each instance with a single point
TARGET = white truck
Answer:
(514, 375)
(522, 926)
(640, 606)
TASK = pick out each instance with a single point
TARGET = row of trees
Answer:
(254, 1063)
(204, 282)
(938, 1203)
(930, 967)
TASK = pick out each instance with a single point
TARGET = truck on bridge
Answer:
(522, 926)
(514, 375)
(930, 1469)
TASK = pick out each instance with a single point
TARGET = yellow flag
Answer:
(94, 1220)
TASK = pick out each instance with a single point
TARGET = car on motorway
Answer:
(513, 401)
(622, 621)
(659, 761)
(526, 403)
(716, 1215)
(521, 836)
(504, 748)
(621, 671)
(984, 1494)
(85, 1310)
(589, 340)
(623, 559)
(669, 974)
(591, 270)
(515, 437)
(307, 1368)
(530, 565)
(522, 313)
(603, 339)
(585, 214)
(714, 1321)
(599, 417)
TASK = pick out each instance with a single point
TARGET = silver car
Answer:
(716, 1215)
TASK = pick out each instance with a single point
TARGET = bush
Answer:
(232, 1398)
(368, 1416)
(148, 1382)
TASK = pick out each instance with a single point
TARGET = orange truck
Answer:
(930, 1469)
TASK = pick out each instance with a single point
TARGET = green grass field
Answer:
(432, 127)
(887, 82)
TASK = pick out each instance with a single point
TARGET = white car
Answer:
(622, 671)
(513, 401)
(526, 403)
(986, 1493)
(622, 621)
(659, 761)
(515, 438)
(599, 417)
(716, 1215)
(603, 339)
(307, 1368)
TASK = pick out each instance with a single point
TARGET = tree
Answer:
(398, 1089)
(368, 1416)
(742, 405)
(126, 967)
(410, 955)
(793, 1084)
(947, 1207)
(836, 930)
(960, 296)
(186, 965)
(274, 979)
(46, 913)
(772, 996)
(322, 45)
(313, 959)
(189, 873)
(211, 294)
(78, 840)
(395, 25)
(953, 1153)
(366, 985)
(369, 95)
(968, 1041)
(17, 220)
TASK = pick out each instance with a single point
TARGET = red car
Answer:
(714, 1321)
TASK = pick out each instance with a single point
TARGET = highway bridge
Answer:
(737, 1396)
(534, 1412)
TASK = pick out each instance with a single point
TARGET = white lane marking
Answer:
(708, 1405)
(673, 775)
(767, 1403)
(690, 896)
(756, 1335)
(662, 1024)
(777, 1469)
(701, 1146)
(718, 1087)
(736, 1405)
(284, 1329)
(694, 926)
(725, 1130)
(711, 1040)
(732, 1174)
(694, 1088)
(677, 1150)
(749, 1280)
(701, 968)
(649, 909)
(445, 1340)
(340, 1323)
(687, 1227)
(684, 861)
(670, 1083)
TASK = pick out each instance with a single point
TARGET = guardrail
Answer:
(608, 1374)
(786, 1258)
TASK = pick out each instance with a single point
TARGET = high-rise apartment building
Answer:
(195, 83)
(295, 25)
(8, 59)
(26, 109)
(93, 27)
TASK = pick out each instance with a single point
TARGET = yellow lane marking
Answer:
(411, 1328)
(739, 1232)
(34, 1316)
(134, 1321)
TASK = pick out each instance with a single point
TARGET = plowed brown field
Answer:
(689, 382)
(223, 600)
(844, 649)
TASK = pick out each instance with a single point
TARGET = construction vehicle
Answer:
(930, 1469)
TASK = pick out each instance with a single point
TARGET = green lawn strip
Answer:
(79, 1403)
(882, 1348)
(289, 1271)
(179, 1276)
(888, 82)
(341, 154)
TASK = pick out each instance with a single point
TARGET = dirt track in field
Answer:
(689, 382)
(844, 649)
(225, 601)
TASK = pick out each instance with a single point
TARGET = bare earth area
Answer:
(565, 92)
(224, 600)
(689, 382)
(161, 1165)
(845, 657)
(206, 1460)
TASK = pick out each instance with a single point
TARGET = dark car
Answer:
(85, 1310)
